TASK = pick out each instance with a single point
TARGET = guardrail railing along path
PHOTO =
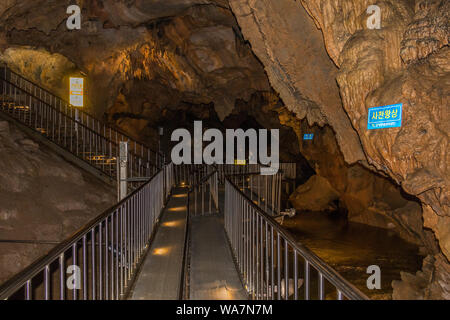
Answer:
(100, 260)
(271, 263)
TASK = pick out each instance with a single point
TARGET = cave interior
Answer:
(362, 197)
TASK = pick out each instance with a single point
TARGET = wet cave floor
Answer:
(351, 247)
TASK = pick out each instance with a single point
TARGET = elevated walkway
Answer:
(74, 134)
(211, 270)
(124, 253)
(160, 274)
(213, 275)
(64, 153)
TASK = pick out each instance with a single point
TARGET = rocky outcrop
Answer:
(406, 61)
(367, 198)
(433, 282)
(379, 67)
(42, 198)
(171, 53)
(315, 195)
(293, 54)
(153, 62)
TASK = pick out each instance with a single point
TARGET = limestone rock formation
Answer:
(42, 197)
(406, 61)
(430, 283)
(368, 198)
(175, 52)
(293, 54)
(315, 195)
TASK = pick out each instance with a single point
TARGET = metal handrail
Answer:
(89, 118)
(289, 170)
(197, 187)
(123, 133)
(65, 128)
(130, 223)
(79, 121)
(264, 189)
(70, 117)
(241, 221)
(204, 188)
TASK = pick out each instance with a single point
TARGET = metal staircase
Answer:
(74, 130)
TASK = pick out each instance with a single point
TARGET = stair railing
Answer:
(88, 139)
(114, 134)
(99, 262)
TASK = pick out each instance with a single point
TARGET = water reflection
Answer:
(351, 247)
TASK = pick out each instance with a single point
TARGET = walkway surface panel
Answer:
(213, 275)
(160, 275)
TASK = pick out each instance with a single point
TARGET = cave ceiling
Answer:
(189, 51)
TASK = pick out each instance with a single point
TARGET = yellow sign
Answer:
(240, 162)
(76, 92)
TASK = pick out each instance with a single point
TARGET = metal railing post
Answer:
(267, 256)
(122, 167)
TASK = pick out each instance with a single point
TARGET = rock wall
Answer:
(42, 197)
(292, 51)
(365, 196)
(172, 51)
(406, 61)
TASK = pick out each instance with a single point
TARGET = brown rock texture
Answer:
(42, 197)
(368, 198)
(431, 283)
(174, 51)
(315, 195)
(406, 61)
(298, 67)
(171, 61)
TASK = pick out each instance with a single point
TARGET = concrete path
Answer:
(159, 277)
(213, 275)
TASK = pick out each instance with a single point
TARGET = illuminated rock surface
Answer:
(315, 195)
(171, 61)
(407, 61)
(42, 198)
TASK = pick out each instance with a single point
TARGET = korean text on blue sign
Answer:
(308, 136)
(385, 117)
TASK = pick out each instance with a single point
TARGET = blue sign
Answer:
(308, 136)
(385, 117)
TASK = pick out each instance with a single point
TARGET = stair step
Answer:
(63, 132)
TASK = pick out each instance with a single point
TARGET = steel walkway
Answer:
(160, 274)
(201, 244)
(213, 275)
(80, 134)
(196, 251)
